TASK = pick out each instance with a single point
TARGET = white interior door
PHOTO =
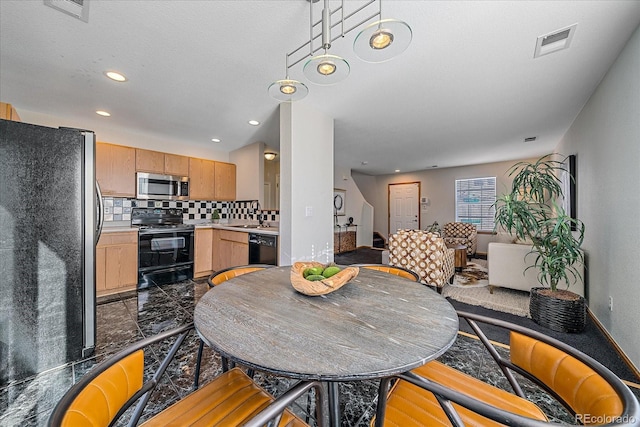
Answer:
(404, 204)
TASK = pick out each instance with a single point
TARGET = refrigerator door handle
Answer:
(100, 212)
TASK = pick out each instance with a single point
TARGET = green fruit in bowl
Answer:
(315, 277)
(330, 271)
(311, 271)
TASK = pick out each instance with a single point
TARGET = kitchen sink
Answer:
(250, 226)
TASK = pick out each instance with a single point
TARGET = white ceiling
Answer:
(466, 91)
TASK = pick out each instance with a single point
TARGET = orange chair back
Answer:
(401, 272)
(230, 273)
(101, 400)
(583, 389)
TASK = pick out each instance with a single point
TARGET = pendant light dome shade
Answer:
(288, 90)
(326, 69)
(382, 40)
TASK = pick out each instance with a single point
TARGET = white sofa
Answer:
(506, 264)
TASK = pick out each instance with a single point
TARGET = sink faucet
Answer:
(254, 209)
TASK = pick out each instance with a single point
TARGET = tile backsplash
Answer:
(119, 209)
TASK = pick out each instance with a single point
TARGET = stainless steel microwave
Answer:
(165, 187)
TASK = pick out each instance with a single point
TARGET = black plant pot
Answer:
(558, 314)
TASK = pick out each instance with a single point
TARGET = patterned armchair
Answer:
(461, 233)
(423, 253)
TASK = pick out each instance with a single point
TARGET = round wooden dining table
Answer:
(375, 326)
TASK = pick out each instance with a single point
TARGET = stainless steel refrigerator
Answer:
(49, 227)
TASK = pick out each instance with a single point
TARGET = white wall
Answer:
(355, 206)
(249, 163)
(106, 133)
(306, 182)
(606, 140)
(436, 184)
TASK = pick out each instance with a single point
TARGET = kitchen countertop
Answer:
(273, 231)
(125, 226)
(118, 228)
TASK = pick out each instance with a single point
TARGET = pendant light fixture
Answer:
(382, 40)
(325, 69)
(288, 89)
(377, 42)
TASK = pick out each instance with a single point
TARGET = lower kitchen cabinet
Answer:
(116, 262)
(230, 248)
(8, 112)
(203, 257)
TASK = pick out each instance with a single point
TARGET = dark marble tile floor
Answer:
(128, 318)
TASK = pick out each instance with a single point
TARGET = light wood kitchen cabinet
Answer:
(225, 181)
(203, 259)
(7, 112)
(176, 165)
(230, 248)
(116, 262)
(201, 179)
(161, 163)
(149, 161)
(116, 169)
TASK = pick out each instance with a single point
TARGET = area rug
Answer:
(473, 275)
(502, 299)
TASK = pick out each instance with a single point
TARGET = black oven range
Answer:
(165, 246)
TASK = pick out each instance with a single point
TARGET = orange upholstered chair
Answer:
(229, 273)
(103, 395)
(438, 395)
(396, 271)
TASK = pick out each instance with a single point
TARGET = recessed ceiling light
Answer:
(116, 76)
(215, 140)
(254, 122)
(364, 163)
(397, 170)
(530, 139)
(103, 113)
(434, 166)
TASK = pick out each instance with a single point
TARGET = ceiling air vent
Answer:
(76, 8)
(555, 41)
(530, 139)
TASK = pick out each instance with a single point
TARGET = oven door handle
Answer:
(167, 243)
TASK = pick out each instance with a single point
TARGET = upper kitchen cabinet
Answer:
(176, 165)
(225, 181)
(7, 112)
(202, 175)
(116, 169)
(161, 163)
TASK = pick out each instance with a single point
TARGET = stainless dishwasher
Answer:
(263, 249)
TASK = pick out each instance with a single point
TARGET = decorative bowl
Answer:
(320, 287)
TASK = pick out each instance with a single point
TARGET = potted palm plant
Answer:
(530, 212)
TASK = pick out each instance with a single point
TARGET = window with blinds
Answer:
(474, 202)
